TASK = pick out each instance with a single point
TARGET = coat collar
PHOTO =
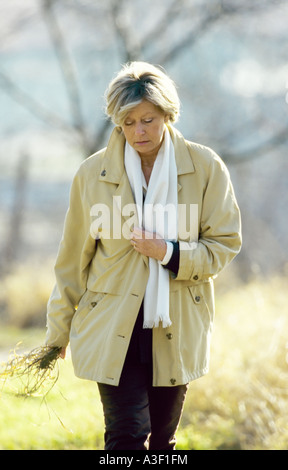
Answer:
(183, 157)
(112, 167)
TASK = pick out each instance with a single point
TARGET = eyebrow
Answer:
(151, 113)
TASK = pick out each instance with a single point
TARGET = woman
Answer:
(137, 306)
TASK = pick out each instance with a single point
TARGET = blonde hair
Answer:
(138, 81)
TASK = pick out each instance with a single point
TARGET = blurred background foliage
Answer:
(229, 61)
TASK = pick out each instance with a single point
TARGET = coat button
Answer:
(103, 173)
(169, 335)
(93, 304)
(196, 278)
(173, 381)
(197, 298)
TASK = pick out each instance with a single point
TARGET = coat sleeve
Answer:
(220, 228)
(76, 250)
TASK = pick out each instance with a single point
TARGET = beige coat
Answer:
(98, 293)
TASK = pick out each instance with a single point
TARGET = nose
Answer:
(139, 129)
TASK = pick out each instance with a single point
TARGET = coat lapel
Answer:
(183, 158)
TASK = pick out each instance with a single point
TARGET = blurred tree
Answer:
(175, 28)
(14, 235)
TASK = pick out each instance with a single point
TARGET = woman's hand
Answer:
(148, 243)
(62, 353)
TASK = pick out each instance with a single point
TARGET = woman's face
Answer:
(144, 128)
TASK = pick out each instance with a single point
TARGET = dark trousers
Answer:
(139, 416)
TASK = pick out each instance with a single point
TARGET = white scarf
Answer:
(162, 190)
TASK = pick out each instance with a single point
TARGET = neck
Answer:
(147, 170)
(148, 161)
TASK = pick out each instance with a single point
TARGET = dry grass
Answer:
(36, 371)
(242, 403)
(24, 294)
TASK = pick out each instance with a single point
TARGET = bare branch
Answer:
(213, 13)
(164, 23)
(100, 137)
(131, 46)
(258, 150)
(65, 63)
(28, 102)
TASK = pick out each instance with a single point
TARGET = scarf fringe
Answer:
(165, 324)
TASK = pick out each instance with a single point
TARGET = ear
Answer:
(166, 118)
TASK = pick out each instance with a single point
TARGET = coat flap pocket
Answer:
(196, 294)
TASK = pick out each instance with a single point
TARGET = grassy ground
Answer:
(241, 404)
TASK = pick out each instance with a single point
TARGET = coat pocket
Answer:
(87, 306)
(204, 302)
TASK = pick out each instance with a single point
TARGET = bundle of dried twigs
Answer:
(37, 370)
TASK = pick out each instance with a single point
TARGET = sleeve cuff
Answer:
(168, 254)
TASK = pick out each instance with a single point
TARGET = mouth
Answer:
(142, 142)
